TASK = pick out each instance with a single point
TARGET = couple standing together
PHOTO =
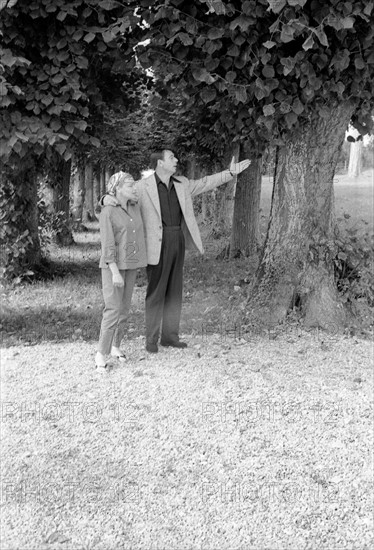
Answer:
(150, 224)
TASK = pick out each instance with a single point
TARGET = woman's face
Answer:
(126, 191)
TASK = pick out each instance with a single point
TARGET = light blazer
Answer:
(150, 209)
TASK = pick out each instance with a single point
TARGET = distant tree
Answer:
(355, 159)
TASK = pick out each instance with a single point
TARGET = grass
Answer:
(68, 308)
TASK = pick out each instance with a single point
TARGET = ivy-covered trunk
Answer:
(245, 227)
(20, 245)
(79, 190)
(58, 182)
(297, 262)
(88, 207)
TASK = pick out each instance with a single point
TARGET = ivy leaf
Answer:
(216, 6)
(297, 106)
(201, 75)
(55, 125)
(370, 59)
(348, 22)
(300, 3)
(89, 37)
(309, 43)
(341, 60)
(321, 35)
(185, 39)
(276, 5)
(289, 64)
(7, 58)
(230, 76)
(47, 100)
(242, 21)
(268, 110)
(268, 71)
(95, 142)
(291, 119)
(369, 8)
(82, 62)
(324, 112)
(359, 63)
(61, 15)
(287, 34)
(269, 44)
(215, 33)
(208, 94)
(108, 36)
(107, 4)
(8, 4)
(241, 94)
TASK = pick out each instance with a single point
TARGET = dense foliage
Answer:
(263, 66)
(58, 73)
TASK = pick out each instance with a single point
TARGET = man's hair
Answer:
(155, 157)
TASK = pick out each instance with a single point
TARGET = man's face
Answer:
(169, 164)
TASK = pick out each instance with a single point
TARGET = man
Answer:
(170, 227)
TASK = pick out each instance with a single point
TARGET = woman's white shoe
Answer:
(118, 353)
(100, 362)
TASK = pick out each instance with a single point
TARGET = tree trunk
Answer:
(58, 185)
(109, 171)
(191, 167)
(355, 159)
(79, 189)
(228, 193)
(96, 185)
(20, 245)
(204, 207)
(245, 235)
(297, 262)
(88, 208)
(102, 181)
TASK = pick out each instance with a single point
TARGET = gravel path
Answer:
(256, 443)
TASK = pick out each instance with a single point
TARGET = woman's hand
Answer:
(118, 279)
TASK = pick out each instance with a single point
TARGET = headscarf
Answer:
(116, 180)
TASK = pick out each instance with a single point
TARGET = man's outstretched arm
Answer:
(211, 182)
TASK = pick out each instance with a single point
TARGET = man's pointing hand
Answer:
(237, 167)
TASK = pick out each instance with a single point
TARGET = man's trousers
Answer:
(163, 301)
(117, 300)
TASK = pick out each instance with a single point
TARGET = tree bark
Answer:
(245, 235)
(58, 184)
(20, 245)
(102, 181)
(96, 185)
(191, 167)
(79, 189)
(109, 171)
(297, 262)
(88, 207)
(228, 193)
(355, 159)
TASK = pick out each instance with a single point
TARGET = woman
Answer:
(122, 253)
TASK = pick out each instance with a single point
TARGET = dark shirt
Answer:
(171, 213)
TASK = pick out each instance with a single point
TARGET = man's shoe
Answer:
(174, 344)
(151, 348)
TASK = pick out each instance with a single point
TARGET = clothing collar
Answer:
(159, 180)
